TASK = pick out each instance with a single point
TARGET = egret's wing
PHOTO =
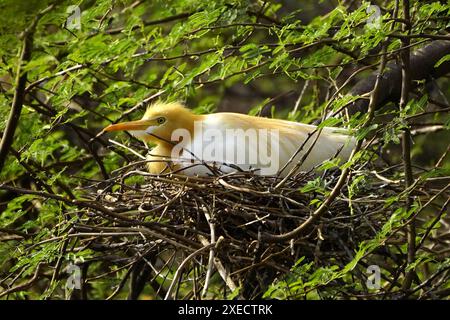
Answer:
(252, 142)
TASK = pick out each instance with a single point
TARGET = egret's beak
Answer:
(130, 126)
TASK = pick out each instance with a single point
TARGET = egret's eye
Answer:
(161, 120)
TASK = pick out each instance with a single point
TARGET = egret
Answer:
(191, 144)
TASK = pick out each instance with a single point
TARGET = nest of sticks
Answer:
(221, 231)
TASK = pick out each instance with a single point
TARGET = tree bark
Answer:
(20, 91)
(422, 67)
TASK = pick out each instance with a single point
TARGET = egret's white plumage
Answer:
(230, 140)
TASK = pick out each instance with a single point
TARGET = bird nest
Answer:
(223, 232)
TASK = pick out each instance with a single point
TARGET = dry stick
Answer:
(225, 275)
(129, 149)
(131, 110)
(140, 104)
(33, 173)
(346, 82)
(441, 159)
(406, 145)
(302, 160)
(445, 272)
(182, 265)
(20, 83)
(121, 284)
(300, 97)
(310, 134)
(161, 233)
(433, 224)
(59, 262)
(25, 285)
(343, 177)
(150, 23)
(60, 73)
(211, 251)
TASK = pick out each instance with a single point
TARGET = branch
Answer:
(223, 272)
(374, 101)
(152, 22)
(211, 251)
(25, 285)
(181, 267)
(20, 83)
(110, 215)
(422, 66)
(406, 143)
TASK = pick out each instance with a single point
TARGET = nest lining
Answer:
(222, 221)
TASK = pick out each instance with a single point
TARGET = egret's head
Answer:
(158, 122)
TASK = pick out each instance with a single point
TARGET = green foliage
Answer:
(202, 53)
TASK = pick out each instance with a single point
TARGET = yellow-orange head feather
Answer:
(159, 122)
